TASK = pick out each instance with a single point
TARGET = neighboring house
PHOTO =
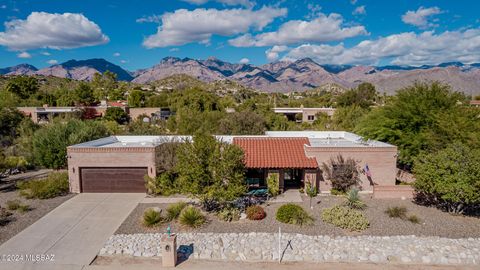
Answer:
(119, 163)
(45, 114)
(475, 103)
(304, 114)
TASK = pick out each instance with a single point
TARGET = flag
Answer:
(368, 173)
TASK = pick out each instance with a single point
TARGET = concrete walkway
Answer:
(74, 232)
(289, 196)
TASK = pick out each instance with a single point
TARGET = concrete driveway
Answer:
(74, 232)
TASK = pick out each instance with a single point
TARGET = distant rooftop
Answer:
(315, 139)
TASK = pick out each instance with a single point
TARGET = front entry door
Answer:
(293, 178)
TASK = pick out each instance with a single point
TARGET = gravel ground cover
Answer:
(433, 222)
(20, 221)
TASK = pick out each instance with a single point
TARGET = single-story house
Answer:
(119, 163)
(306, 114)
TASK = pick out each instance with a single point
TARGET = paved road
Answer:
(74, 232)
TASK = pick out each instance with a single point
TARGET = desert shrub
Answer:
(255, 212)
(345, 218)
(413, 219)
(337, 192)
(152, 217)
(293, 214)
(56, 184)
(311, 191)
(17, 205)
(23, 208)
(4, 216)
(397, 212)
(448, 179)
(164, 184)
(210, 204)
(13, 205)
(342, 172)
(229, 214)
(273, 185)
(353, 200)
(191, 217)
(174, 210)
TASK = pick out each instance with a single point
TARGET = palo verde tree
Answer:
(449, 179)
(50, 142)
(210, 169)
(422, 117)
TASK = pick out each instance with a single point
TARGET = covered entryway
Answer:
(283, 156)
(113, 180)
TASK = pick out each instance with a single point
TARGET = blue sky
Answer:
(138, 35)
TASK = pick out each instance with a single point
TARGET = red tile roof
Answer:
(273, 152)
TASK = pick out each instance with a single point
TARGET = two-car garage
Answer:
(113, 179)
(116, 164)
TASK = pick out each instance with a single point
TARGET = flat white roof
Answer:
(300, 109)
(316, 138)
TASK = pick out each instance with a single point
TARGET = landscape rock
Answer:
(254, 247)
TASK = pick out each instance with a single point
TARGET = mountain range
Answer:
(280, 76)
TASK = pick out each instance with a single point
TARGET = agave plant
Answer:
(353, 200)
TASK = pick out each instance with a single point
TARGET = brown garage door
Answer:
(113, 179)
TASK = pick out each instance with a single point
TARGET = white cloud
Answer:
(360, 10)
(117, 54)
(400, 49)
(149, 19)
(45, 53)
(52, 62)
(420, 18)
(55, 31)
(24, 55)
(321, 29)
(123, 61)
(3, 6)
(174, 49)
(184, 26)
(273, 53)
(353, 2)
(245, 3)
(244, 61)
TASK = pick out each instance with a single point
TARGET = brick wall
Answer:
(393, 192)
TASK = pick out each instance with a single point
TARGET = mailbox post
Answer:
(169, 250)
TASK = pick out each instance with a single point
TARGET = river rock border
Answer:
(254, 247)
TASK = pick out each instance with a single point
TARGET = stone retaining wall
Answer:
(296, 247)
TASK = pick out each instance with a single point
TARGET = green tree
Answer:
(104, 85)
(364, 96)
(422, 117)
(210, 169)
(136, 98)
(242, 123)
(23, 86)
(116, 114)
(84, 93)
(10, 119)
(449, 178)
(50, 142)
(347, 118)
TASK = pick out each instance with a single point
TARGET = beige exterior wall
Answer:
(32, 111)
(306, 112)
(108, 157)
(136, 112)
(381, 162)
